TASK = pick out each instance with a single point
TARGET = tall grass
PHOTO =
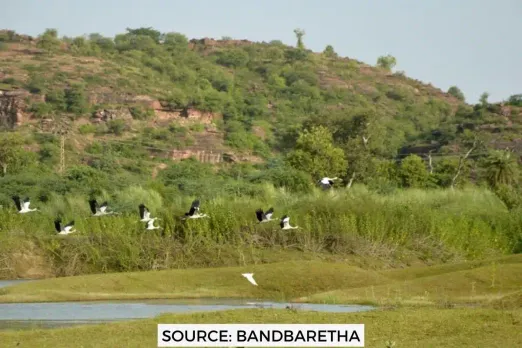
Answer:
(436, 225)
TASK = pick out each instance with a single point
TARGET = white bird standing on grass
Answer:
(23, 208)
(327, 182)
(67, 229)
(193, 213)
(285, 223)
(101, 210)
(264, 216)
(250, 278)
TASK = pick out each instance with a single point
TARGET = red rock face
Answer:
(12, 108)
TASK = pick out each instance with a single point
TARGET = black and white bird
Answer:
(193, 213)
(264, 216)
(144, 213)
(69, 228)
(326, 182)
(285, 223)
(23, 207)
(99, 211)
(150, 225)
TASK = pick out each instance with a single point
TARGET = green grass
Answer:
(406, 327)
(310, 281)
(410, 227)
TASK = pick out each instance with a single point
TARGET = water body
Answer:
(55, 314)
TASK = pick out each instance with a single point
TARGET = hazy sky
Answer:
(474, 44)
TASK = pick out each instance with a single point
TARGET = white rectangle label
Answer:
(260, 335)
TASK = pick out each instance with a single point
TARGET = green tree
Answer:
(49, 41)
(329, 52)
(387, 62)
(484, 99)
(456, 92)
(413, 172)
(152, 33)
(10, 151)
(315, 154)
(501, 168)
(299, 33)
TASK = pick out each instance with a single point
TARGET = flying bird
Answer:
(193, 213)
(99, 211)
(23, 207)
(250, 278)
(66, 229)
(285, 223)
(327, 183)
(144, 213)
(264, 216)
(150, 224)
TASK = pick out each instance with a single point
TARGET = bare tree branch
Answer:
(461, 163)
(351, 180)
(430, 162)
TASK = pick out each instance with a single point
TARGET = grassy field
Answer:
(404, 327)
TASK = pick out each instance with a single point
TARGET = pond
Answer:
(52, 314)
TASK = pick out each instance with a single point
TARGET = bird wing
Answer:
(195, 204)
(16, 199)
(143, 209)
(103, 207)
(259, 214)
(92, 204)
(69, 226)
(286, 218)
(150, 223)
(250, 278)
(269, 213)
(57, 225)
(330, 182)
(27, 202)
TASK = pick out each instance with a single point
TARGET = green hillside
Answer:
(132, 104)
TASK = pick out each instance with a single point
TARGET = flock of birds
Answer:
(23, 207)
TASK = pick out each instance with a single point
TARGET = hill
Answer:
(133, 103)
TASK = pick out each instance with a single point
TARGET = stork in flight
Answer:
(145, 213)
(327, 182)
(67, 229)
(264, 216)
(285, 223)
(101, 210)
(193, 213)
(23, 207)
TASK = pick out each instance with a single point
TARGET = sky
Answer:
(473, 44)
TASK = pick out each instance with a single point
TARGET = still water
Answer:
(52, 314)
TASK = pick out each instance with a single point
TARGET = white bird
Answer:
(264, 216)
(150, 224)
(144, 213)
(23, 208)
(66, 229)
(285, 223)
(194, 211)
(326, 182)
(102, 210)
(250, 278)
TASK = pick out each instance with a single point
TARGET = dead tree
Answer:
(461, 163)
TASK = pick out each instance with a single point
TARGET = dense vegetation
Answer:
(304, 114)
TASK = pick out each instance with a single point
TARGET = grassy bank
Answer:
(404, 327)
(480, 282)
(392, 230)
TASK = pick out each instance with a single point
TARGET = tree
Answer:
(329, 52)
(484, 99)
(387, 62)
(456, 92)
(10, 152)
(413, 172)
(501, 168)
(315, 154)
(49, 41)
(299, 33)
(153, 34)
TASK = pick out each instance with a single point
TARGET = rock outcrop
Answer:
(12, 107)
